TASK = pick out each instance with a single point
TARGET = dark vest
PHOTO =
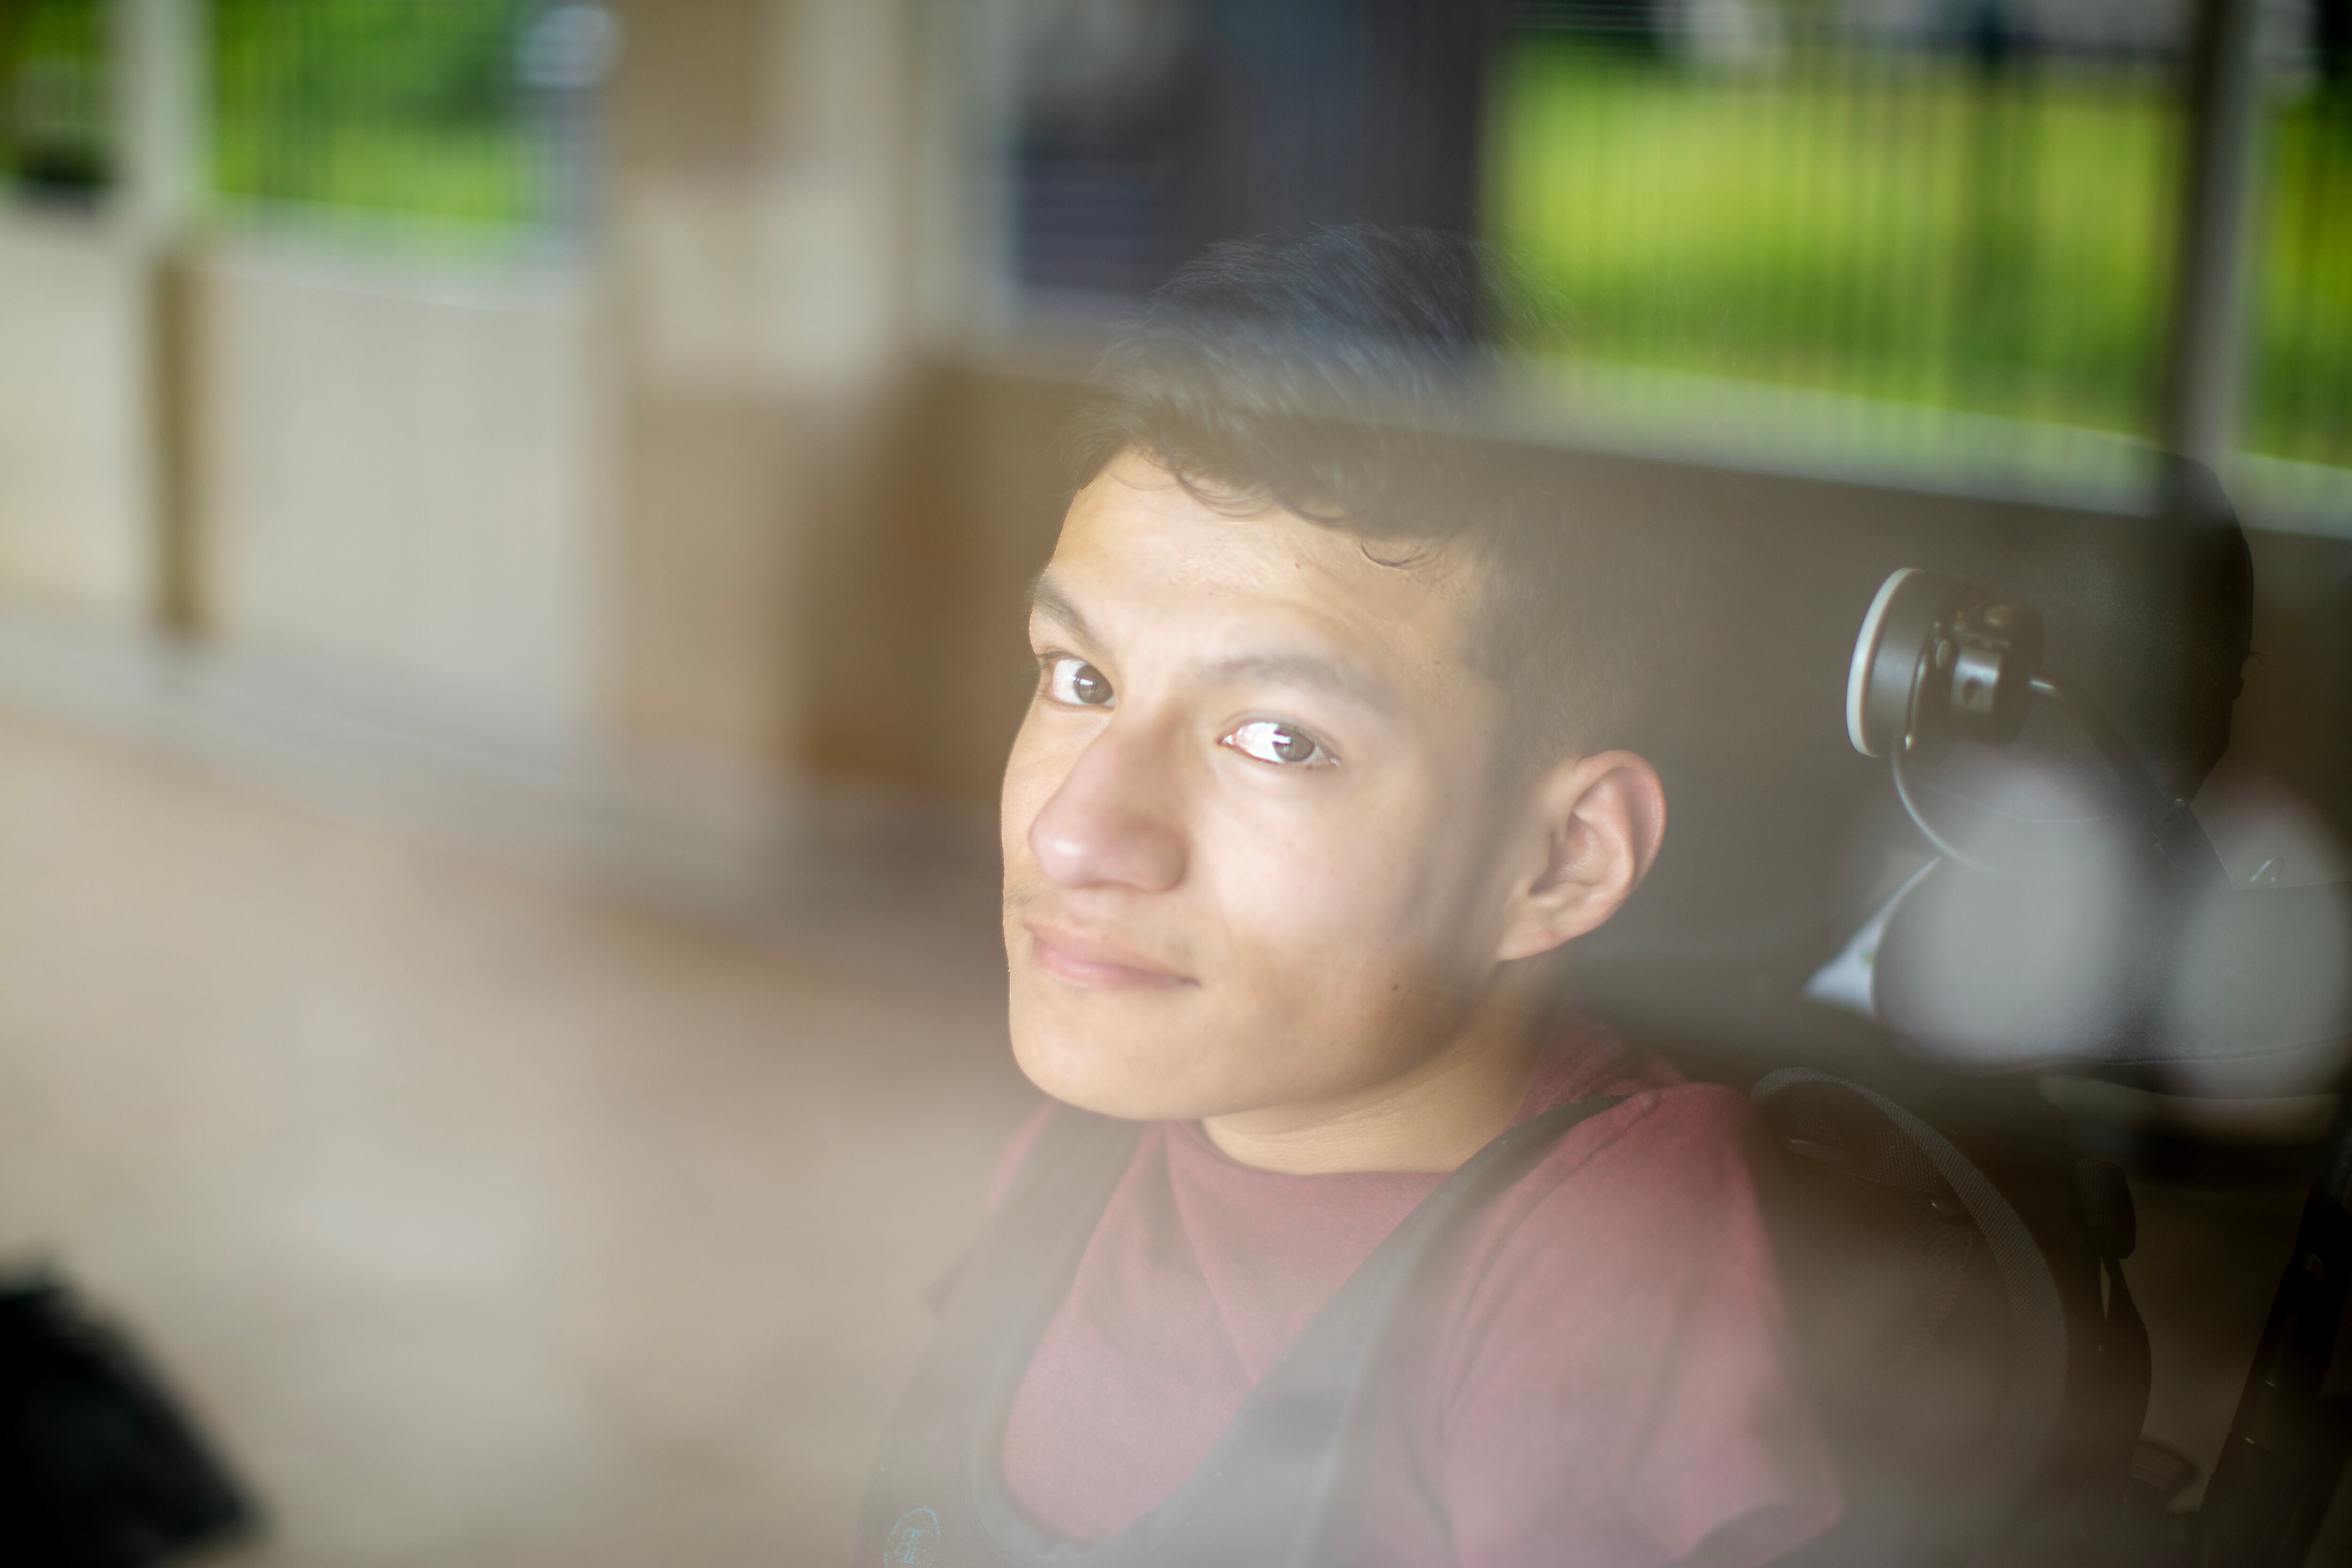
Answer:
(1277, 1488)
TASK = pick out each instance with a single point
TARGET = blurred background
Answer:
(512, 522)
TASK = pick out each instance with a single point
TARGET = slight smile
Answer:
(1100, 964)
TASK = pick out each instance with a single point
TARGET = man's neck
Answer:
(1431, 1117)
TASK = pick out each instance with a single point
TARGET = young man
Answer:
(1314, 794)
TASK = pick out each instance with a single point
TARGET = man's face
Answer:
(1248, 843)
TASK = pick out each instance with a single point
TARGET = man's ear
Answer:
(1593, 828)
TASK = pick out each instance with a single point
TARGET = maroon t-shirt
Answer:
(1610, 1381)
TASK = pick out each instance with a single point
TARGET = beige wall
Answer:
(761, 196)
(622, 497)
(404, 476)
(399, 473)
(921, 659)
(74, 465)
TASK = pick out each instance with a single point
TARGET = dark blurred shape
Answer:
(2277, 1474)
(1152, 129)
(1977, 1382)
(1330, 112)
(55, 136)
(2114, 938)
(2138, 953)
(1097, 161)
(2148, 614)
(2331, 25)
(99, 1468)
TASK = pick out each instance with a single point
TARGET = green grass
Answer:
(470, 174)
(393, 107)
(1900, 228)
(2300, 403)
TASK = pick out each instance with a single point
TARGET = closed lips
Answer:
(1093, 960)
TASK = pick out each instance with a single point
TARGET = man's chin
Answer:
(1097, 1085)
(1109, 1069)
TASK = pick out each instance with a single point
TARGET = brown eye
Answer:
(1078, 683)
(1283, 745)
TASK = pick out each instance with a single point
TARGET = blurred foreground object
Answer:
(2101, 928)
(2104, 932)
(1978, 1361)
(98, 1469)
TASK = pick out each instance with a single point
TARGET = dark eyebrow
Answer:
(1320, 671)
(1046, 595)
(1338, 676)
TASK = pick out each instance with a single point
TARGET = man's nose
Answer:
(1112, 822)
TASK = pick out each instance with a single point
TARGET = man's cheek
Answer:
(1312, 897)
(1339, 925)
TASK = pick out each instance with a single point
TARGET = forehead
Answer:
(1142, 555)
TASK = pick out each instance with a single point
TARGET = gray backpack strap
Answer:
(2037, 1382)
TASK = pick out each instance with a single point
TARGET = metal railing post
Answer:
(161, 110)
(2198, 415)
(163, 119)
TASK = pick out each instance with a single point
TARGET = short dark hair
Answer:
(1337, 375)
